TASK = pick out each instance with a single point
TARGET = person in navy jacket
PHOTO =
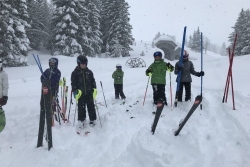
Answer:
(54, 75)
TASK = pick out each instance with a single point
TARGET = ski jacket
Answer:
(54, 75)
(187, 70)
(4, 84)
(84, 80)
(118, 76)
(159, 70)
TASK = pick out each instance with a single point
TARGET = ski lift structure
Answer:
(135, 62)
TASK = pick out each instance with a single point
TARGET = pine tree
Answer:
(241, 27)
(13, 22)
(223, 50)
(40, 31)
(71, 25)
(115, 27)
(94, 33)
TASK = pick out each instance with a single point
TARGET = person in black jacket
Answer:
(82, 78)
(185, 81)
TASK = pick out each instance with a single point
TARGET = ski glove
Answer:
(170, 67)
(179, 68)
(94, 93)
(149, 72)
(4, 100)
(201, 73)
(77, 94)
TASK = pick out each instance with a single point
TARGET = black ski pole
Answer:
(103, 95)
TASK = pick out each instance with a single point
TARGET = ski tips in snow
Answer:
(197, 102)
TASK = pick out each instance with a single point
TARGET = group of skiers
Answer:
(82, 80)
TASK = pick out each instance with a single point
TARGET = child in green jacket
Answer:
(118, 82)
(157, 70)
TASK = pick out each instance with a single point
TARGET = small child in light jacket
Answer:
(118, 82)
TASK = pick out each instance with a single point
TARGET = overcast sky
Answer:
(214, 18)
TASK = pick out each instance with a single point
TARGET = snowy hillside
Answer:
(216, 136)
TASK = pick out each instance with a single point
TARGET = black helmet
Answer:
(82, 60)
(158, 54)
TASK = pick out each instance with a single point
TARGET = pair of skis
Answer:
(45, 121)
(64, 96)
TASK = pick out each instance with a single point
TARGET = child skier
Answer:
(118, 82)
(158, 70)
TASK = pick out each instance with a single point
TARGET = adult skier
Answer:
(186, 70)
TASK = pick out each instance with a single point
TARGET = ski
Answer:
(159, 109)
(197, 102)
(45, 122)
(180, 64)
(2, 119)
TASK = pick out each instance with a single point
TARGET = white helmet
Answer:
(118, 66)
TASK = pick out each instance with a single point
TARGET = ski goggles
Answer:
(185, 56)
(119, 67)
(52, 60)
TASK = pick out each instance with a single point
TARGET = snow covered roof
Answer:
(164, 38)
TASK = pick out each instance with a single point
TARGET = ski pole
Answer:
(98, 113)
(170, 89)
(77, 98)
(201, 68)
(103, 95)
(146, 90)
(75, 113)
(71, 102)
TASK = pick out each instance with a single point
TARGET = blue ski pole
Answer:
(180, 64)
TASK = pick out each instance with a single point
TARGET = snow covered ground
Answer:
(216, 136)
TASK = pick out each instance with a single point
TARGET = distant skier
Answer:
(118, 82)
(54, 75)
(158, 70)
(82, 78)
(4, 86)
(186, 69)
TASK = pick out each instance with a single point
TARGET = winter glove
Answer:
(77, 94)
(170, 67)
(4, 100)
(148, 72)
(201, 73)
(179, 68)
(94, 93)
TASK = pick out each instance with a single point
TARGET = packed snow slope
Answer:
(216, 136)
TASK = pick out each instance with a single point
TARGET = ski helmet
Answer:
(118, 66)
(185, 53)
(158, 53)
(82, 60)
(53, 60)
